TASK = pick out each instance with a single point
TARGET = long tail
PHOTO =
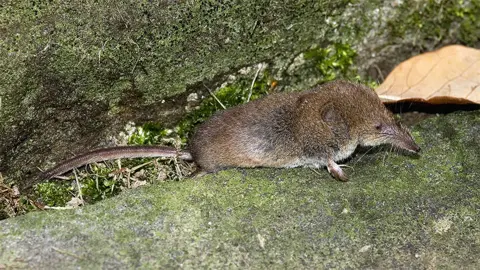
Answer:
(115, 153)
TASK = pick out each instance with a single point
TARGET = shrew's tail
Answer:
(117, 152)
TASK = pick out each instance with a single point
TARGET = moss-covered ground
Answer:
(396, 212)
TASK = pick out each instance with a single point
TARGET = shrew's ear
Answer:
(330, 115)
(333, 118)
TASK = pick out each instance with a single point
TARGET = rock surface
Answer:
(72, 74)
(396, 212)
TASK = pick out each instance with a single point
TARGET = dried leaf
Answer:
(448, 75)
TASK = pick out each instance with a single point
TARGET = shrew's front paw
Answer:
(337, 172)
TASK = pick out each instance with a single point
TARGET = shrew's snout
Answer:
(416, 148)
(410, 145)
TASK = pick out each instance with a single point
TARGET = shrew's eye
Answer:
(378, 127)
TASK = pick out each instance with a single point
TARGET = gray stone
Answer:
(396, 212)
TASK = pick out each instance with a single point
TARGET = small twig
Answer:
(36, 204)
(129, 176)
(119, 164)
(81, 60)
(380, 73)
(61, 177)
(119, 173)
(46, 47)
(78, 186)
(67, 253)
(253, 82)
(253, 28)
(315, 171)
(177, 168)
(128, 179)
(113, 187)
(215, 97)
(101, 50)
(140, 166)
(385, 155)
(135, 65)
(138, 58)
(96, 182)
(58, 207)
(129, 173)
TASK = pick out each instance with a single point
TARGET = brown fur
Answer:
(313, 128)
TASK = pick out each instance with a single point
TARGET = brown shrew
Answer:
(314, 128)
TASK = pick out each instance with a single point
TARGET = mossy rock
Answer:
(73, 74)
(396, 212)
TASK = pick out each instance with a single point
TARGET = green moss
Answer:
(95, 185)
(336, 61)
(230, 95)
(149, 133)
(432, 21)
(99, 188)
(333, 61)
(53, 193)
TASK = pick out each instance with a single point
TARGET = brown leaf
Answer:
(448, 75)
